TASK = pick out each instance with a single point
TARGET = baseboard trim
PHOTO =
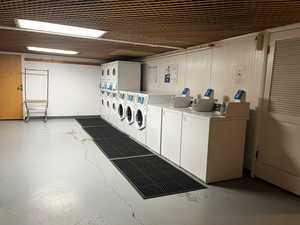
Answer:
(64, 117)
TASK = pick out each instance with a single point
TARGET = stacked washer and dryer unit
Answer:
(116, 76)
(121, 103)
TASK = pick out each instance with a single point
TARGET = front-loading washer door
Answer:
(129, 115)
(140, 119)
(114, 107)
(121, 112)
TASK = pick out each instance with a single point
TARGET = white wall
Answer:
(231, 65)
(73, 89)
(216, 68)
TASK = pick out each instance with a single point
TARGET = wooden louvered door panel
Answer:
(279, 154)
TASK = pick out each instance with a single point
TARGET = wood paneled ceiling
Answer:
(178, 23)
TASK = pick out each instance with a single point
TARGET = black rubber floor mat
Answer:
(92, 122)
(118, 147)
(103, 132)
(153, 177)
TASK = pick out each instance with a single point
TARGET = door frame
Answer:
(268, 173)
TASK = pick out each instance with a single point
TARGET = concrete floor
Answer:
(54, 174)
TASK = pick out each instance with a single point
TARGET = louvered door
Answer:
(279, 155)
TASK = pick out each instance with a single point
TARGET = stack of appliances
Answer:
(191, 134)
(120, 75)
(115, 76)
(121, 102)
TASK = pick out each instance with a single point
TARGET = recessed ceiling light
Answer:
(51, 50)
(59, 29)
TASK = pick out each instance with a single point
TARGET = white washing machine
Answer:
(102, 105)
(130, 112)
(114, 109)
(121, 114)
(105, 109)
(140, 116)
(140, 119)
(108, 103)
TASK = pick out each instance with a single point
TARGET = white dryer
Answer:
(140, 119)
(140, 112)
(121, 114)
(140, 116)
(105, 108)
(108, 104)
(114, 109)
(102, 105)
(130, 112)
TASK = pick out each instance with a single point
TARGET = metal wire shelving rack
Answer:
(34, 105)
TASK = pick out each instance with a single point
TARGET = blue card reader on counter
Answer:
(240, 95)
(208, 92)
(186, 91)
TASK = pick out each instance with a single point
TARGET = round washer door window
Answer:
(129, 114)
(120, 111)
(114, 72)
(139, 118)
(114, 106)
(107, 104)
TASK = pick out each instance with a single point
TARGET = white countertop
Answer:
(189, 111)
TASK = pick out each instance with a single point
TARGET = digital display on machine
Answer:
(141, 100)
(130, 97)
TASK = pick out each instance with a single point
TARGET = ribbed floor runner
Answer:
(120, 147)
(149, 174)
(153, 177)
(94, 122)
(103, 132)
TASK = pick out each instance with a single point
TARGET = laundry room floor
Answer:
(53, 174)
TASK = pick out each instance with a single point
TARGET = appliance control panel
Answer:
(130, 98)
(140, 100)
(121, 95)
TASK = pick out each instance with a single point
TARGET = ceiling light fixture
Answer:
(59, 29)
(51, 50)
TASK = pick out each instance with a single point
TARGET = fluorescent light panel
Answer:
(60, 29)
(51, 50)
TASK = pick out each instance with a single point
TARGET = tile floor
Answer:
(53, 174)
